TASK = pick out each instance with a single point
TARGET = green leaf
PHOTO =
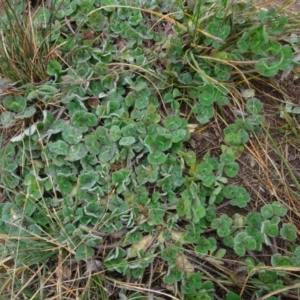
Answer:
(243, 42)
(27, 132)
(239, 249)
(279, 260)
(84, 252)
(216, 29)
(134, 237)
(206, 98)
(242, 241)
(270, 229)
(168, 98)
(239, 243)
(199, 212)
(118, 205)
(101, 56)
(223, 231)
(7, 119)
(178, 135)
(109, 3)
(224, 32)
(205, 168)
(88, 180)
(222, 225)
(15, 103)
(59, 147)
(29, 208)
(41, 16)
(192, 285)
(83, 120)
(9, 164)
(279, 209)
(107, 153)
(254, 106)
(266, 67)
(115, 133)
(231, 169)
(10, 212)
(56, 127)
(157, 158)
(10, 180)
(278, 27)
(54, 68)
(286, 57)
(268, 277)
(288, 232)
(142, 102)
(127, 141)
(209, 180)
(227, 158)
(76, 152)
(147, 173)
(267, 211)
(267, 15)
(270, 48)
(172, 276)
(235, 135)
(65, 185)
(185, 78)
(203, 246)
(72, 135)
(253, 218)
(184, 208)
(241, 198)
(222, 100)
(203, 113)
(157, 216)
(152, 118)
(189, 157)
(92, 144)
(27, 113)
(233, 296)
(221, 252)
(278, 58)
(222, 73)
(45, 93)
(275, 220)
(173, 122)
(257, 37)
(169, 254)
(92, 209)
(158, 143)
(121, 176)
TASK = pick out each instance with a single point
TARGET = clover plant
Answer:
(104, 166)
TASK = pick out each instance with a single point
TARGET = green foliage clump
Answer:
(104, 167)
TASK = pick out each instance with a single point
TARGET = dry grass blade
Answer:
(24, 46)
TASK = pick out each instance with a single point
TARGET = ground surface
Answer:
(262, 172)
